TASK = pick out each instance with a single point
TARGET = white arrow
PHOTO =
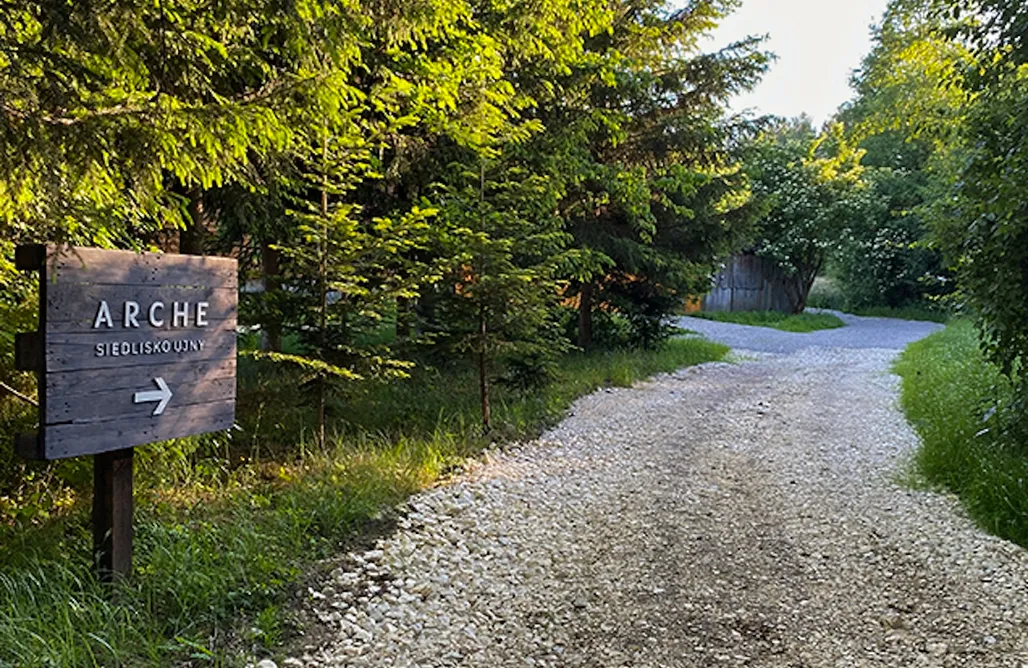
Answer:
(162, 395)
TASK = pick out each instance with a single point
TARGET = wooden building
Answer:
(748, 283)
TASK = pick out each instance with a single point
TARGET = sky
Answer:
(818, 43)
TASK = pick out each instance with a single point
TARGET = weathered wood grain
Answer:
(78, 384)
(113, 507)
(72, 440)
(77, 303)
(98, 266)
(76, 351)
(82, 327)
(115, 403)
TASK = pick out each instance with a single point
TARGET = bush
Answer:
(988, 226)
(644, 305)
(885, 261)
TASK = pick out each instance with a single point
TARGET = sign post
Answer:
(132, 348)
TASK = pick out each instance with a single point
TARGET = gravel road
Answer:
(745, 514)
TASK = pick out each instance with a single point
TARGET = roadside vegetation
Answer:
(972, 445)
(225, 531)
(802, 322)
(827, 294)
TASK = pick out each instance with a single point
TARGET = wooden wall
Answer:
(748, 283)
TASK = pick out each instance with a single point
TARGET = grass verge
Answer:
(222, 538)
(957, 402)
(904, 313)
(804, 322)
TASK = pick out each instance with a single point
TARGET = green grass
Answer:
(804, 322)
(227, 529)
(904, 313)
(958, 403)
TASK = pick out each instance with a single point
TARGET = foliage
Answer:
(963, 408)
(216, 129)
(982, 223)
(941, 110)
(925, 314)
(399, 181)
(114, 114)
(906, 117)
(886, 260)
(654, 194)
(813, 192)
(801, 322)
(989, 221)
(504, 283)
(941, 100)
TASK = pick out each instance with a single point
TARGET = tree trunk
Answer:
(585, 316)
(801, 304)
(483, 328)
(191, 239)
(403, 327)
(794, 288)
(323, 288)
(272, 333)
(483, 372)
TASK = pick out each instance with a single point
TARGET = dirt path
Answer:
(743, 514)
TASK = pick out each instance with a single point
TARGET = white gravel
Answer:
(745, 514)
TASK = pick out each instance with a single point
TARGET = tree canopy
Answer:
(460, 172)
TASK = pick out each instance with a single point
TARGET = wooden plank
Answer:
(77, 384)
(129, 378)
(113, 506)
(79, 302)
(86, 327)
(73, 440)
(119, 402)
(77, 352)
(99, 266)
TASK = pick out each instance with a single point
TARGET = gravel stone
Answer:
(746, 514)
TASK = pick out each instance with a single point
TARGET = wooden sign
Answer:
(132, 348)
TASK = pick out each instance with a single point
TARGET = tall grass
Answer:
(225, 530)
(959, 404)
